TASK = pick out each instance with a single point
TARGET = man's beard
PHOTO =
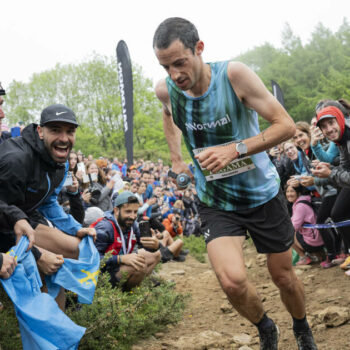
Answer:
(125, 223)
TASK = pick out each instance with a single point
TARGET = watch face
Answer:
(241, 148)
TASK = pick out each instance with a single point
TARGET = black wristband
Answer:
(1, 259)
(37, 253)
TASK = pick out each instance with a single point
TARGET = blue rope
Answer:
(330, 225)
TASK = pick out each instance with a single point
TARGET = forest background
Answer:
(306, 74)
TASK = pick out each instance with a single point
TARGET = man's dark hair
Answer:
(174, 28)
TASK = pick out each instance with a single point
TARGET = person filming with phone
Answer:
(118, 233)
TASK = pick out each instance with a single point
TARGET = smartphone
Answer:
(69, 179)
(145, 229)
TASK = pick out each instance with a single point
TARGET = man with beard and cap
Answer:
(118, 233)
(334, 123)
(33, 168)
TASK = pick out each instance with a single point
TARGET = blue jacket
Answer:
(105, 236)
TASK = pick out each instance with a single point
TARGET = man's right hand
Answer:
(9, 264)
(134, 260)
(181, 167)
(23, 228)
(49, 262)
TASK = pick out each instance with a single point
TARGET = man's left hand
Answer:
(307, 181)
(150, 242)
(87, 231)
(216, 158)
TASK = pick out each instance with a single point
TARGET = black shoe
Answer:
(166, 254)
(305, 340)
(184, 252)
(269, 339)
(179, 258)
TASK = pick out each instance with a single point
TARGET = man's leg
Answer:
(134, 277)
(292, 295)
(152, 259)
(57, 241)
(226, 257)
(291, 289)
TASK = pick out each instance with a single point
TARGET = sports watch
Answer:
(241, 149)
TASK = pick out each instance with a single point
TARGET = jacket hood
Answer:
(31, 136)
(109, 215)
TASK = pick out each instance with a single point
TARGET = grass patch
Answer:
(115, 319)
(196, 246)
(10, 337)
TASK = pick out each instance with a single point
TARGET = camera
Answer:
(93, 188)
(145, 228)
(95, 193)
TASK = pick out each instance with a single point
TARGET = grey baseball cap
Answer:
(123, 198)
(58, 113)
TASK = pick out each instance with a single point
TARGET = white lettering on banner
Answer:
(122, 95)
(211, 125)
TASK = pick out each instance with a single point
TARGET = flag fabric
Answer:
(43, 325)
(126, 94)
(277, 92)
(78, 276)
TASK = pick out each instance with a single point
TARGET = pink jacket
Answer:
(302, 214)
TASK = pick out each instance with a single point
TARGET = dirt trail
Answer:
(210, 323)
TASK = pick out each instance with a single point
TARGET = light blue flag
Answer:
(43, 325)
(78, 276)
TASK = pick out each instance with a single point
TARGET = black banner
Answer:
(126, 94)
(277, 92)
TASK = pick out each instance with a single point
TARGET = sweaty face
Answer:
(126, 214)
(291, 194)
(301, 139)
(330, 129)
(59, 139)
(180, 63)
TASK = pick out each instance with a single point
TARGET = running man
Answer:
(214, 106)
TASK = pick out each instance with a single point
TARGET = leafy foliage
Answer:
(306, 73)
(115, 319)
(196, 246)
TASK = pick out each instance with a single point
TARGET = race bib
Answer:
(236, 167)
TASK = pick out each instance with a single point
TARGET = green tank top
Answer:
(216, 118)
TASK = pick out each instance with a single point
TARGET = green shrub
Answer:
(196, 246)
(10, 337)
(115, 319)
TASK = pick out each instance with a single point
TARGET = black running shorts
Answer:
(268, 225)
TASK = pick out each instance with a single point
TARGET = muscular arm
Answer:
(253, 93)
(171, 131)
